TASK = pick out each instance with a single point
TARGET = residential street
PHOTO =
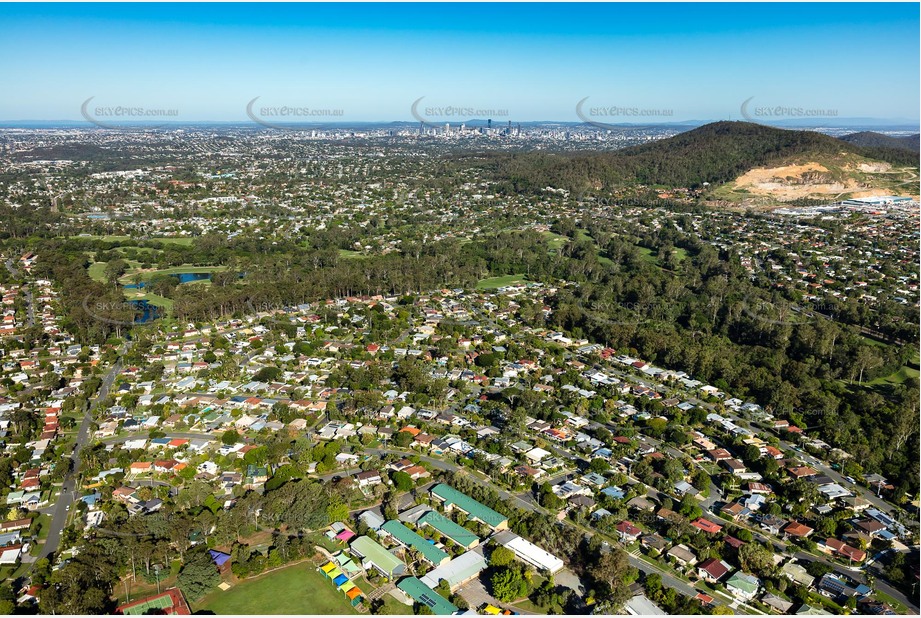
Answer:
(68, 491)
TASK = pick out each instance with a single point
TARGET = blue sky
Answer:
(534, 60)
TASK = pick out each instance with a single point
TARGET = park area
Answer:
(498, 282)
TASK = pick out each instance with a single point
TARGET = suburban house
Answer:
(368, 479)
(713, 570)
(743, 585)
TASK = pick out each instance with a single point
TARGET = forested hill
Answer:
(872, 139)
(715, 153)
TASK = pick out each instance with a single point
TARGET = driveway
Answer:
(475, 594)
(570, 580)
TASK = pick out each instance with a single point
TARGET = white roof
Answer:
(642, 606)
(532, 553)
(536, 454)
(456, 570)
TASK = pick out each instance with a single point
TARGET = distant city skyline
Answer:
(649, 63)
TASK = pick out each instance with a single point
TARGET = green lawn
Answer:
(392, 607)
(97, 271)
(298, 589)
(554, 240)
(648, 255)
(899, 377)
(896, 605)
(150, 297)
(498, 282)
(165, 239)
(44, 522)
(902, 374)
(352, 255)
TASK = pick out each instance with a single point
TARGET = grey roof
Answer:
(456, 571)
(372, 519)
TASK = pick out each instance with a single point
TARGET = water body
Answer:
(182, 277)
(145, 312)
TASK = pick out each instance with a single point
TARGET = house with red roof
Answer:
(799, 472)
(628, 532)
(713, 570)
(842, 549)
(758, 488)
(140, 467)
(797, 530)
(416, 472)
(773, 452)
(706, 525)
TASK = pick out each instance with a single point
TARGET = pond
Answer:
(145, 312)
(182, 277)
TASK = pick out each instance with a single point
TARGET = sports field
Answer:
(297, 589)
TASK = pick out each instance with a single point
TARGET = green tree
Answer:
(599, 465)
(337, 511)
(508, 584)
(501, 557)
(198, 574)
(753, 558)
(402, 439)
(402, 481)
(267, 374)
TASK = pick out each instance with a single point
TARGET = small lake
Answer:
(145, 312)
(182, 277)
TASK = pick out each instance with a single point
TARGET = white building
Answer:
(529, 552)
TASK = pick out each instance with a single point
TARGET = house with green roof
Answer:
(743, 585)
(451, 498)
(445, 526)
(374, 555)
(407, 538)
(420, 593)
